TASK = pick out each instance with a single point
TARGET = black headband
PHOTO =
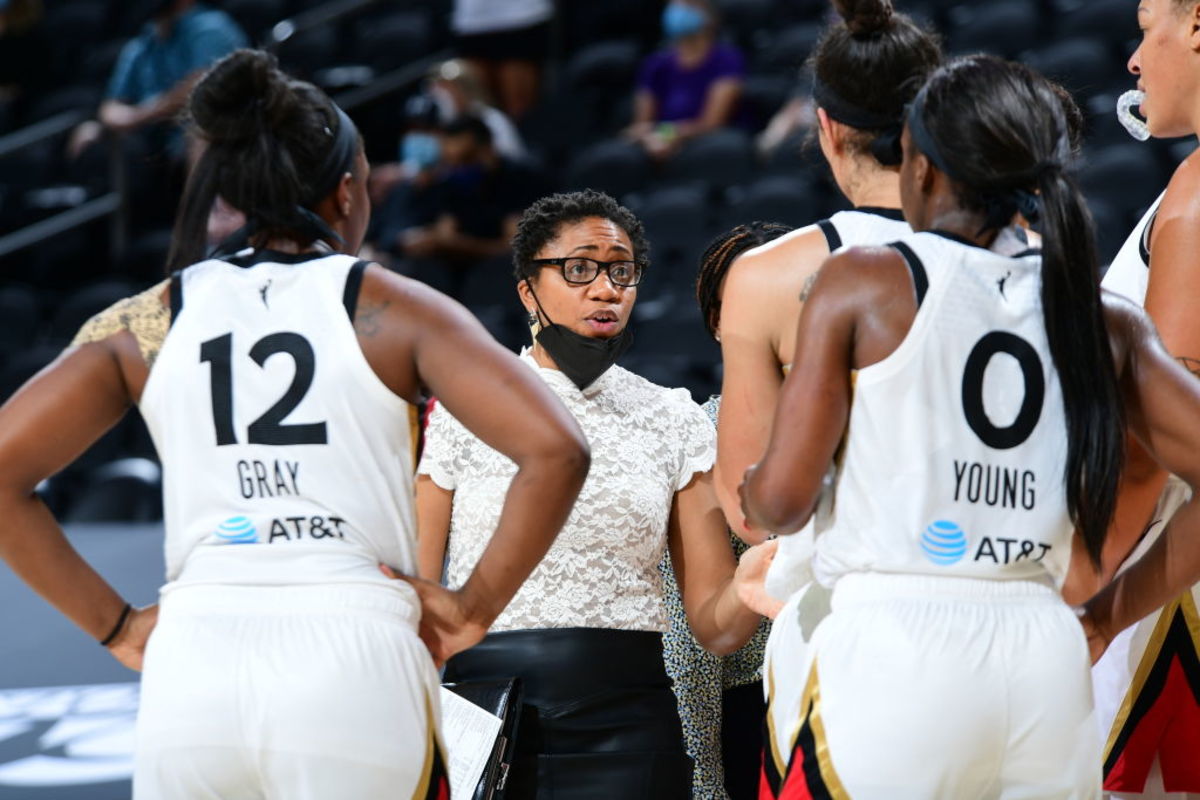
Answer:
(1000, 205)
(846, 112)
(340, 159)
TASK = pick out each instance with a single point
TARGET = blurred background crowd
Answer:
(694, 113)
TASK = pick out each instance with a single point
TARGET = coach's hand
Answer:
(750, 579)
(130, 645)
(446, 627)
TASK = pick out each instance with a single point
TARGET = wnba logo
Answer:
(944, 543)
(237, 530)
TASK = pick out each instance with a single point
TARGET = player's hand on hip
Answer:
(750, 580)
(130, 645)
(446, 626)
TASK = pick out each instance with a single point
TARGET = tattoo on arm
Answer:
(1192, 365)
(368, 318)
(808, 284)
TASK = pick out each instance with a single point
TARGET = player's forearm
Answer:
(1169, 567)
(724, 623)
(35, 548)
(539, 500)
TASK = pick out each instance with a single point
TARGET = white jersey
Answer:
(1129, 272)
(956, 446)
(791, 568)
(285, 458)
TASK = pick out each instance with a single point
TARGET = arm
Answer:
(122, 117)
(434, 505)
(705, 568)
(1173, 287)
(1162, 402)
(645, 110)
(859, 309)
(450, 241)
(45, 426)
(718, 108)
(759, 302)
(402, 323)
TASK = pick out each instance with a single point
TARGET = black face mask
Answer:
(583, 359)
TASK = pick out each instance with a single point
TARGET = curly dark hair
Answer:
(719, 257)
(543, 220)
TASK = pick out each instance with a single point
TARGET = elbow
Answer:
(778, 512)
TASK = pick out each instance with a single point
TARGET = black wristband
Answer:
(107, 640)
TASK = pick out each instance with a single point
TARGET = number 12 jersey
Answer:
(285, 458)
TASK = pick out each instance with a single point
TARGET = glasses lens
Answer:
(579, 270)
(625, 273)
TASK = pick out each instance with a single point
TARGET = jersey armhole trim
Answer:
(175, 296)
(919, 277)
(354, 280)
(1144, 240)
(832, 238)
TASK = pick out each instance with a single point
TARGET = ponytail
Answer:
(1078, 338)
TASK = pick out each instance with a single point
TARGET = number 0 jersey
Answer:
(956, 446)
(285, 458)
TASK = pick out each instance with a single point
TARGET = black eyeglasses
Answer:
(580, 271)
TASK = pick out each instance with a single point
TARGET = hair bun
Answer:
(864, 17)
(242, 93)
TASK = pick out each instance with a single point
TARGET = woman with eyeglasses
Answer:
(585, 632)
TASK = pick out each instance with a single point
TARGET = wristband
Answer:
(107, 640)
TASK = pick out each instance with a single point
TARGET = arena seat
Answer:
(1003, 28)
(615, 166)
(775, 198)
(1083, 65)
(721, 158)
(125, 490)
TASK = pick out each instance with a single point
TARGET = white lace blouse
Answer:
(602, 571)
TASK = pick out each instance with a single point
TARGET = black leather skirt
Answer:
(599, 719)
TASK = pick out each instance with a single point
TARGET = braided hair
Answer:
(719, 257)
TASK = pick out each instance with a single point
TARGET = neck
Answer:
(692, 49)
(962, 223)
(283, 245)
(872, 185)
(541, 357)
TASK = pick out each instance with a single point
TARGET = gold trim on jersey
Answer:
(1187, 604)
(773, 743)
(811, 703)
(422, 790)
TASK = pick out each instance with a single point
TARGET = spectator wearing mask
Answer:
(690, 87)
(456, 88)
(157, 69)
(471, 211)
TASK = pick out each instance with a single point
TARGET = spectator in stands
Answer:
(507, 41)
(157, 69)
(456, 88)
(470, 214)
(689, 88)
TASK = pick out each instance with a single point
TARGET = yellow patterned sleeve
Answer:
(145, 315)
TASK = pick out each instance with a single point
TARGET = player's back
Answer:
(956, 450)
(285, 458)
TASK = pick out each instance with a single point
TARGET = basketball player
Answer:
(989, 394)
(865, 67)
(1148, 684)
(279, 384)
